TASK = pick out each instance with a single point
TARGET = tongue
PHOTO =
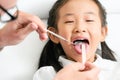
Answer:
(78, 47)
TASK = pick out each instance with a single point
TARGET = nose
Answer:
(79, 28)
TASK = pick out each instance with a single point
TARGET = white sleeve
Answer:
(44, 73)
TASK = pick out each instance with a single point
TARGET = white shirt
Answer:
(48, 72)
(116, 73)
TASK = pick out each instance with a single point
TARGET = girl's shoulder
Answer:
(105, 63)
(41, 73)
(106, 66)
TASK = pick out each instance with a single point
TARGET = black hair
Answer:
(52, 51)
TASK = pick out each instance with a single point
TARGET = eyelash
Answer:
(69, 21)
(89, 20)
(85, 20)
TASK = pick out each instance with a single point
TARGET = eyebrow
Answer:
(68, 14)
(90, 13)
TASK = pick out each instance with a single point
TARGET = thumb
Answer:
(91, 66)
(76, 66)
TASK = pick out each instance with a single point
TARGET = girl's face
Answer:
(80, 20)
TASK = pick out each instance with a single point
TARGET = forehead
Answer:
(79, 6)
(8, 3)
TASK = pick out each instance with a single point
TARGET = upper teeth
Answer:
(78, 42)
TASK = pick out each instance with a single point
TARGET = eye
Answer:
(69, 21)
(89, 20)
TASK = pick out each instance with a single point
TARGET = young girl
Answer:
(82, 22)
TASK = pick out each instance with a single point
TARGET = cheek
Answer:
(95, 38)
(95, 31)
(65, 32)
(67, 49)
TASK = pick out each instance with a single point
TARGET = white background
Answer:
(20, 62)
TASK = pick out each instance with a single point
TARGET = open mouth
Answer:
(78, 45)
(85, 41)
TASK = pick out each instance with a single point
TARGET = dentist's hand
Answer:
(16, 31)
(78, 71)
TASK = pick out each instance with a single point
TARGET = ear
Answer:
(52, 37)
(104, 33)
